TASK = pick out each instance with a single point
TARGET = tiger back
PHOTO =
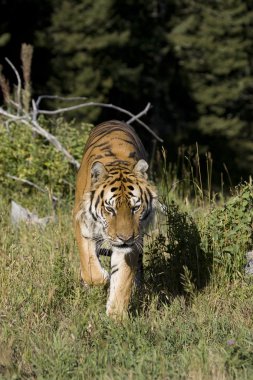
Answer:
(114, 202)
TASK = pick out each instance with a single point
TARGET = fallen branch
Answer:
(26, 181)
(140, 114)
(30, 118)
(34, 125)
(55, 97)
(19, 88)
(105, 105)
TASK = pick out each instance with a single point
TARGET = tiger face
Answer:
(120, 203)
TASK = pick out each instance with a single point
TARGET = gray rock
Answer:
(249, 265)
(20, 214)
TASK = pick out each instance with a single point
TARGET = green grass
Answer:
(51, 327)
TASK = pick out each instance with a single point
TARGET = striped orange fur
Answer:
(114, 202)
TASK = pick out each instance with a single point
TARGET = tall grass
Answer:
(190, 179)
(193, 320)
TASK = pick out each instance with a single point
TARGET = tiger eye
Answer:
(130, 187)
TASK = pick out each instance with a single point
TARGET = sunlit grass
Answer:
(51, 327)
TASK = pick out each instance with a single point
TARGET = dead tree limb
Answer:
(19, 84)
(26, 181)
(34, 125)
(57, 97)
(105, 105)
(140, 114)
(30, 119)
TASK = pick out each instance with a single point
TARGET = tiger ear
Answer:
(140, 168)
(97, 171)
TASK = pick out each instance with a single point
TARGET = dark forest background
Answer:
(193, 60)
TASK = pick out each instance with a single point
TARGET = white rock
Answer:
(21, 214)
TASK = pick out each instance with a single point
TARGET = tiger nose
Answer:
(126, 239)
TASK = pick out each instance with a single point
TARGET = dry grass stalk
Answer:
(26, 58)
(5, 87)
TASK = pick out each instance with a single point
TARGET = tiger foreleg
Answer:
(123, 270)
(92, 272)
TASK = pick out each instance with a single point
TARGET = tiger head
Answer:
(121, 202)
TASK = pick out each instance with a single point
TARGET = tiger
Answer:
(114, 203)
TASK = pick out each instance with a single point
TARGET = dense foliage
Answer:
(191, 60)
(30, 157)
(213, 42)
(194, 250)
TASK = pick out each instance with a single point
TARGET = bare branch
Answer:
(10, 116)
(26, 181)
(82, 105)
(56, 97)
(54, 141)
(18, 106)
(18, 80)
(30, 118)
(89, 104)
(140, 114)
(34, 125)
(34, 111)
(5, 86)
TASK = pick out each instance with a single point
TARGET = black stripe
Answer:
(149, 193)
(100, 145)
(115, 180)
(92, 193)
(97, 202)
(146, 198)
(128, 141)
(114, 271)
(127, 179)
(92, 214)
(118, 162)
(91, 199)
(146, 214)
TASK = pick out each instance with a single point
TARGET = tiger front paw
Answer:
(99, 278)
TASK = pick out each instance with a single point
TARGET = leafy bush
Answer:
(176, 262)
(28, 156)
(228, 232)
(190, 251)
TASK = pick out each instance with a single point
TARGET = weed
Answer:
(228, 234)
(175, 261)
(196, 316)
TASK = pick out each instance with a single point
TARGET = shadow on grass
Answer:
(176, 264)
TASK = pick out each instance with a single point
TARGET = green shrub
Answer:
(227, 233)
(29, 156)
(191, 251)
(176, 263)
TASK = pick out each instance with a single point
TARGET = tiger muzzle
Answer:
(125, 241)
